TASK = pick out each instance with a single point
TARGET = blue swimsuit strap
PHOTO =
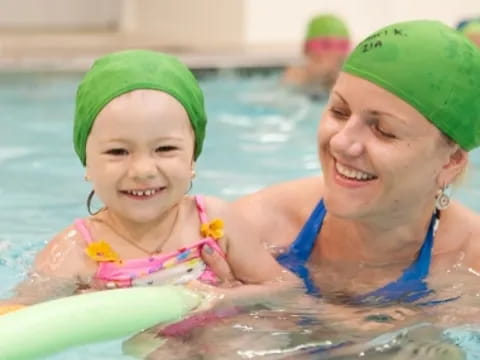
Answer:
(295, 258)
(409, 287)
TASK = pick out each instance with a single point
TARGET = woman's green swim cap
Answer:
(430, 66)
(121, 72)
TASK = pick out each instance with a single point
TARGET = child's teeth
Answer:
(149, 192)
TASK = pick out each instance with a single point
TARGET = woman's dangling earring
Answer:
(443, 199)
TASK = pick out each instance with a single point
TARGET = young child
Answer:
(139, 128)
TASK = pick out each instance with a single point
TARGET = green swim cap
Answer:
(430, 66)
(118, 73)
(326, 26)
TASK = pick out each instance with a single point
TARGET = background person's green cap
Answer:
(326, 25)
(430, 66)
(118, 73)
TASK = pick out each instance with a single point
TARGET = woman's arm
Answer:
(250, 262)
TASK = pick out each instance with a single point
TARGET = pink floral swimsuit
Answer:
(175, 267)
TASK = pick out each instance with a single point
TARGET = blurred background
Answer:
(68, 34)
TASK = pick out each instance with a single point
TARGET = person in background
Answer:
(464, 22)
(472, 31)
(326, 44)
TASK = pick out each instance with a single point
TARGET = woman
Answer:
(377, 225)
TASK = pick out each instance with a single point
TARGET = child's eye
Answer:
(117, 152)
(166, 148)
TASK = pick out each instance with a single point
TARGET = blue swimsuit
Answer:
(409, 287)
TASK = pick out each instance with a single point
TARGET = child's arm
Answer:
(58, 270)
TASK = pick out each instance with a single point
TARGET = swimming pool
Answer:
(258, 134)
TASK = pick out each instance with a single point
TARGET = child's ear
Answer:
(193, 169)
(87, 176)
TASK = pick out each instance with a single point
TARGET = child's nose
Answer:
(143, 167)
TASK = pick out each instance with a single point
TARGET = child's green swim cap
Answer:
(326, 26)
(430, 66)
(118, 73)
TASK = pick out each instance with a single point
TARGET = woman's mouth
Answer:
(349, 173)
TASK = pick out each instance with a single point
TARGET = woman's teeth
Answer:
(353, 174)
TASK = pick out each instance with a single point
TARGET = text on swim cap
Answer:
(373, 41)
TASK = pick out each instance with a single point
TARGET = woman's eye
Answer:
(384, 133)
(117, 152)
(338, 113)
(166, 148)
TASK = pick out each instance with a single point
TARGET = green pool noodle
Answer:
(55, 325)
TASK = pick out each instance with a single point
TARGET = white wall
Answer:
(284, 21)
(59, 14)
(197, 24)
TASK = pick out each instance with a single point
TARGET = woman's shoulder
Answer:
(279, 211)
(460, 232)
(287, 196)
(461, 219)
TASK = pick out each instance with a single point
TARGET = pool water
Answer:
(258, 134)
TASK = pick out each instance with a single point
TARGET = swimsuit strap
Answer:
(410, 286)
(303, 245)
(298, 253)
(202, 213)
(82, 228)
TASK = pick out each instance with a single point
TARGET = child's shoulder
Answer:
(71, 236)
(212, 203)
(64, 254)
(213, 207)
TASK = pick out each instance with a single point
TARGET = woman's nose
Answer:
(348, 140)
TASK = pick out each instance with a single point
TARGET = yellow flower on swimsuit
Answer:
(102, 251)
(213, 229)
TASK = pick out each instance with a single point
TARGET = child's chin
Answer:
(143, 218)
